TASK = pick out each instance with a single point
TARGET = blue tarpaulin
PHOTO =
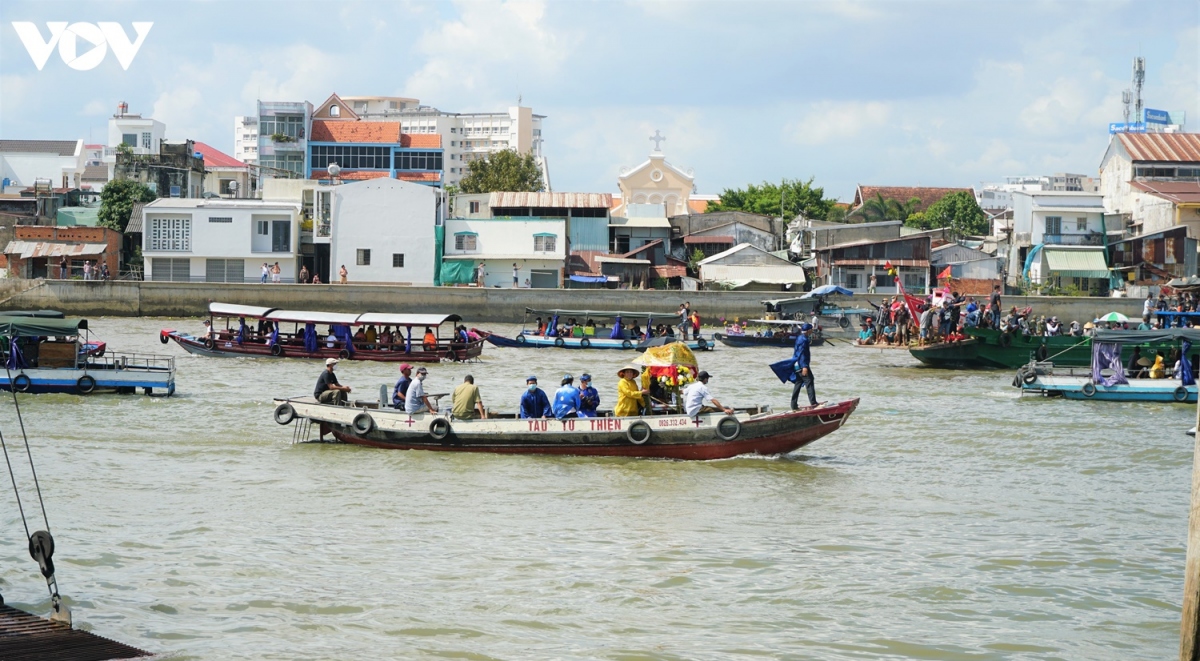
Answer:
(16, 361)
(310, 338)
(1185, 365)
(589, 278)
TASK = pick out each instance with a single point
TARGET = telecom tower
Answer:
(1139, 77)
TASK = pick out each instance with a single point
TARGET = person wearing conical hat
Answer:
(630, 398)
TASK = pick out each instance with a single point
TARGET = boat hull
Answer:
(670, 437)
(231, 349)
(103, 379)
(986, 348)
(527, 341)
(1137, 390)
(746, 341)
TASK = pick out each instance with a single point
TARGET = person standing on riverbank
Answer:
(303, 275)
(516, 276)
(343, 274)
(803, 367)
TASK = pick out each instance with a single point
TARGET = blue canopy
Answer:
(589, 278)
(828, 290)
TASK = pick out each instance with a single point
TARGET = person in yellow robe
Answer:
(1158, 371)
(630, 398)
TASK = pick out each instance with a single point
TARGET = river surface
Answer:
(948, 519)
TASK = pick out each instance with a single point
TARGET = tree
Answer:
(117, 200)
(837, 214)
(959, 212)
(451, 191)
(504, 171)
(694, 260)
(880, 208)
(791, 198)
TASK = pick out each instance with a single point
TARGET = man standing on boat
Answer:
(328, 390)
(534, 403)
(803, 368)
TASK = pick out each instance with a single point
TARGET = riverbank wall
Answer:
(191, 299)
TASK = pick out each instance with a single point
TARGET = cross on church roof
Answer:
(657, 138)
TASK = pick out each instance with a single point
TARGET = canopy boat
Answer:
(986, 347)
(1106, 378)
(782, 334)
(294, 334)
(587, 334)
(815, 303)
(91, 346)
(51, 355)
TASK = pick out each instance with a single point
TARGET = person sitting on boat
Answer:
(1053, 328)
(430, 341)
(360, 338)
(1089, 329)
(385, 338)
(328, 390)
(331, 340)
(1158, 370)
(696, 394)
(1135, 369)
(589, 329)
(670, 332)
(589, 397)
(207, 330)
(400, 392)
(372, 337)
(972, 312)
(1076, 329)
(768, 333)
(630, 398)
(467, 403)
(534, 403)
(1145, 325)
(635, 331)
(889, 334)
(867, 334)
(566, 399)
(415, 400)
(541, 327)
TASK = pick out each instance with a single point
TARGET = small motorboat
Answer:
(586, 334)
(783, 334)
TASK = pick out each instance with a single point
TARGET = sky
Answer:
(881, 93)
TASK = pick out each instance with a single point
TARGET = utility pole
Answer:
(1189, 641)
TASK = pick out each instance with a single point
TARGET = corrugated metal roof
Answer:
(1179, 192)
(1077, 263)
(640, 222)
(707, 239)
(60, 147)
(604, 259)
(781, 274)
(28, 249)
(571, 200)
(134, 226)
(1162, 147)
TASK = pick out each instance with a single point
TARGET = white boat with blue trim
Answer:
(586, 333)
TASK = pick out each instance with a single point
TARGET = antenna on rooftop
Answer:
(1139, 77)
(1126, 99)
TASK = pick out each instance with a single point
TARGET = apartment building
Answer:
(245, 139)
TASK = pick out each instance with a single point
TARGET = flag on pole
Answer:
(911, 302)
(891, 270)
(945, 274)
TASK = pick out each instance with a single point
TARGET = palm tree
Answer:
(880, 208)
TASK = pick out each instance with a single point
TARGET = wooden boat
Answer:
(1073, 382)
(988, 348)
(588, 335)
(783, 334)
(296, 335)
(51, 355)
(708, 436)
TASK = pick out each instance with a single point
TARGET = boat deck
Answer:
(26, 637)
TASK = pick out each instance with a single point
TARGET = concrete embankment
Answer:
(185, 299)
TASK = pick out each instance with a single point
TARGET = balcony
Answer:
(1089, 239)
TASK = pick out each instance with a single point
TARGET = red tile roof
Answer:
(421, 141)
(342, 130)
(1179, 192)
(926, 195)
(419, 176)
(1162, 147)
(215, 158)
(353, 175)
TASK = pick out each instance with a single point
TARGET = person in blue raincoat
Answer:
(534, 403)
(803, 368)
(566, 399)
(588, 397)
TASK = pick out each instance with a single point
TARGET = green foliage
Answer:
(959, 212)
(504, 171)
(918, 220)
(451, 191)
(694, 260)
(124, 149)
(793, 198)
(879, 209)
(837, 214)
(117, 200)
(282, 137)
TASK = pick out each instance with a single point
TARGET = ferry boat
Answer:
(587, 335)
(53, 355)
(1105, 379)
(783, 334)
(277, 333)
(755, 430)
(989, 348)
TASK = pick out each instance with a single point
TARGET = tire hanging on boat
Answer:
(728, 428)
(702, 343)
(843, 323)
(22, 382)
(1029, 377)
(162, 337)
(208, 343)
(520, 338)
(1005, 340)
(1180, 394)
(585, 343)
(284, 413)
(638, 433)
(559, 342)
(1088, 389)
(1042, 352)
(627, 344)
(344, 354)
(363, 423)
(86, 384)
(276, 350)
(439, 428)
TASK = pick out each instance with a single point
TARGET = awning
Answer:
(28, 249)
(589, 278)
(689, 240)
(1076, 263)
(384, 319)
(232, 310)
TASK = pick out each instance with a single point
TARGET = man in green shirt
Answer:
(468, 405)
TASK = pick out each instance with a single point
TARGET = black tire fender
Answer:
(638, 433)
(702, 343)
(1042, 352)
(363, 423)
(439, 428)
(627, 344)
(1029, 377)
(22, 382)
(208, 343)
(844, 323)
(728, 428)
(520, 339)
(284, 413)
(276, 350)
(559, 342)
(585, 343)
(163, 337)
(1180, 394)
(86, 384)
(1088, 389)
(344, 354)
(1005, 340)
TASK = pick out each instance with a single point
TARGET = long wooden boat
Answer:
(708, 436)
(783, 335)
(988, 348)
(589, 336)
(54, 355)
(296, 335)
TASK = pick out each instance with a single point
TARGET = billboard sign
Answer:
(1153, 116)
(1122, 127)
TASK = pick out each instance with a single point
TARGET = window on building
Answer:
(397, 260)
(393, 105)
(1081, 224)
(364, 257)
(129, 139)
(1053, 224)
(220, 219)
(170, 234)
(852, 281)
(453, 143)
(351, 158)
(335, 111)
(146, 140)
(418, 160)
(475, 206)
(544, 243)
(453, 129)
(454, 157)
(360, 105)
(453, 170)
(262, 227)
(465, 241)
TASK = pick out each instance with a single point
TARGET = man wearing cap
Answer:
(328, 390)
(630, 398)
(589, 398)
(534, 403)
(566, 399)
(804, 375)
(415, 400)
(400, 392)
(696, 394)
(207, 330)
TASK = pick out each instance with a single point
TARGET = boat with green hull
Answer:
(985, 347)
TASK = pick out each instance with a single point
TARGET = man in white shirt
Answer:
(416, 401)
(697, 393)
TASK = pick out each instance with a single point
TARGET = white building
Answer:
(536, 247)
(1069, 226)
(384, 231)
(22, 162)
(142, 134)
(999, 196)
(208, 240)
(283, 128)
(245, 138)
(1151, 180)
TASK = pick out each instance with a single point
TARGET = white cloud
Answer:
(830, 121)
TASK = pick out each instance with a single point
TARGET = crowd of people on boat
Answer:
(631, 329)
(366, 338)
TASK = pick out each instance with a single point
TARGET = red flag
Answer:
(891, 270)
(945, 274)
(911, 302)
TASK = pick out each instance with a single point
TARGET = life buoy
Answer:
(284, 413)
(1181, 394)
(22, 382)
(843, 323)
(162, 337)
(559, 342)
(363, 423)
(627, 344)
(1042, 352)
(520, 339)
(638, 433)
(344, 354)
(728, 428)
(1005, 340)
(208, 343)
(276, 350)
(702, 343)
(86, 384)
(1088, 389)
(1029, 377)
(439, 428)
(585, 343)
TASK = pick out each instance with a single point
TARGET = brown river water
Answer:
(948, 519)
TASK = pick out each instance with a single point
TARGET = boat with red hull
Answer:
(755, 430)
(289, 337)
